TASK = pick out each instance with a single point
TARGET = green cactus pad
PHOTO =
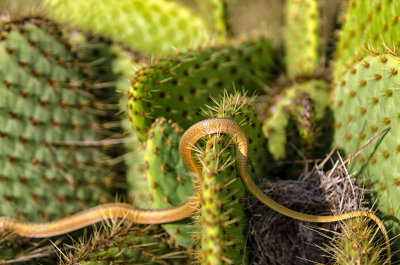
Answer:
(148, 26)
(177, 87)
(168, 178)
(368, 25)
(222, 218)
(215, 14)
(301, 37)
(43, 102)
(287, 107)
(368, 94)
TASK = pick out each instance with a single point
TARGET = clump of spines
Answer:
(356, 243)
(44, 103)
(124, 243)
(168, 179)
(178, 86)
(301, 37)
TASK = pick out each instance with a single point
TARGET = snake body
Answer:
(141, 216)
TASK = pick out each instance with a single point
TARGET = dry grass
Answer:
(277, 239)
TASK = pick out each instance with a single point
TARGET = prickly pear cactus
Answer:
(367, 25)
(178, 86)
(301, 37)
(148, 26)
(215, 14)
(222, 219)
(46, 108)
(367, 94)
(305, 104)
(356, 244)
(125, 244)
(168, 178)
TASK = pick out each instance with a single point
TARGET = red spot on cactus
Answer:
(338, 124)
(363, 83)
(375, 100)
(397, 182)
(382, 187)
(386, 121)
(374, 128)
(360, 159)
(340, 103)
(348, 136)
(378, 77)
(373, 160)
(353, 93)
(362, 135)
(385, 154)
(391, 212)
(394, 72)
(363, 110)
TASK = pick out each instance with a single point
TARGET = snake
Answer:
(149, 216)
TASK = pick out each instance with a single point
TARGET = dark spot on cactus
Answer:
(234, 70)
(386, 154)
(13, 115)
(375, 100)
(378, 77)
(220, 84)
(397, 182)
(394, 72)
(204, 81)
(386, 121)
(9, 50)
(240, 81)
(384, 59)
(366, 64)
(353, 71)
(192, 91)
(389, 93)
(363, 83)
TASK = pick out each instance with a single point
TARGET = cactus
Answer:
(171, 85)
(44, 103)
(168, 178)
(356, 244)
(148, 26)
(124, 243)
(222, 220)
(215, 13)
(306, 104)
(367, 94)
(301, 37)
(367, 25)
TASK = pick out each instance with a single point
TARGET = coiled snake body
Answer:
(189, 138)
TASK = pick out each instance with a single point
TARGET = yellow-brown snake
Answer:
(189, 138)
